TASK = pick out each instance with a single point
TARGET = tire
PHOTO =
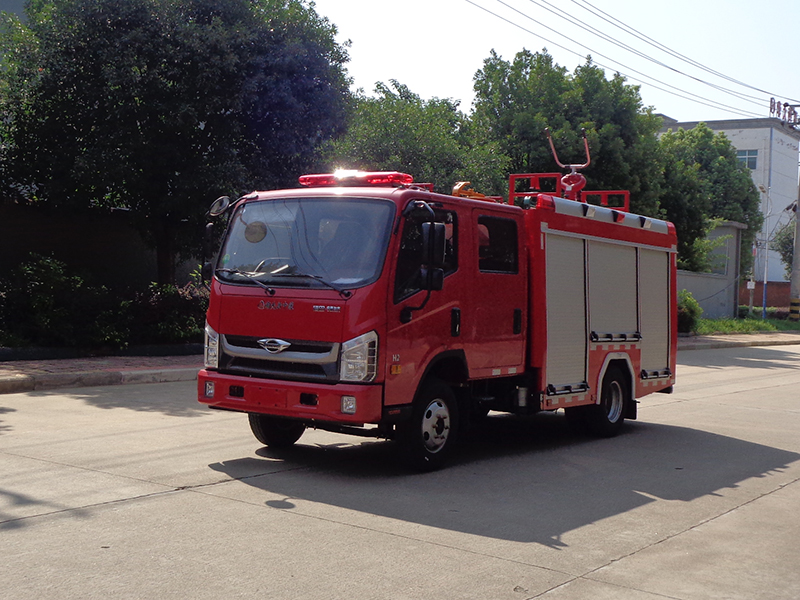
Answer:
(274, 431)
(427, 440)
(606, 419)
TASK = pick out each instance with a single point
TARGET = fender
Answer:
(456, 370)
(450, 365)
(630, 410)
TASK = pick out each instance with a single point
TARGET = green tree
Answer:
(704, 180)
(398, 131)
(783, 244)
(157, 106)
(515, 101)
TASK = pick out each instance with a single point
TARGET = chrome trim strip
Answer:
(312, 358)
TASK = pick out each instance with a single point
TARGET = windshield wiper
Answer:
(251, 277)
(342, 292)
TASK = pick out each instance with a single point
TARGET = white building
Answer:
(770, 148)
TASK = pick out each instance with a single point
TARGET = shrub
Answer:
(168, 314)
(43, 304)
(772, 312)
(689, 312)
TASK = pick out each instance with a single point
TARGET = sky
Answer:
(435, 47)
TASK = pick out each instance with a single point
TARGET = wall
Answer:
(778, 294)
(103, 246)
(718, 292)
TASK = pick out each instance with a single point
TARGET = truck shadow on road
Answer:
(528, 480)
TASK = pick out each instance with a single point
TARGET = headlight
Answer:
(359, 361)
(211, 350)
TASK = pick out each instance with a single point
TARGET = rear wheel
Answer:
(428, 438)
(606, 419)
(274, 431)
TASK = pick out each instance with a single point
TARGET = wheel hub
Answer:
(614, 402)
(435, 426)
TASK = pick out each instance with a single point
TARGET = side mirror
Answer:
(219, 206)
(208, 240)
(207, 271)
(433, 279)
(433, 244)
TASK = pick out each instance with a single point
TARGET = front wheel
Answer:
(428, 438)
(274, 431)
(606, 419)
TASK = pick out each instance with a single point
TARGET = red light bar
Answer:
(356, 178)
(317, 180)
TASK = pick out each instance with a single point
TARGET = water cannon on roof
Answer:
(573, 182)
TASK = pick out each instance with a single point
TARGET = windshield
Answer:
(307, 242)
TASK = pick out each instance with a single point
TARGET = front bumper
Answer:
(299, 400)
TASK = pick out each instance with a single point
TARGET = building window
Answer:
(749, 158)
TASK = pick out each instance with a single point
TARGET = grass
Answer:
(746, 325)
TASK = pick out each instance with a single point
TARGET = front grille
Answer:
(302, 361)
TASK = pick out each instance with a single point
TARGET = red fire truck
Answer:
(366, 304)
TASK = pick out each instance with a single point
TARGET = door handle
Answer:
(455, 322)
(517, 321)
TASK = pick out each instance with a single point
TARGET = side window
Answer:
(409, 259)
(497, 245)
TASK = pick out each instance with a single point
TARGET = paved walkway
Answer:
(32, 375)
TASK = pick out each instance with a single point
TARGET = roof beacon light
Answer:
(350, 177)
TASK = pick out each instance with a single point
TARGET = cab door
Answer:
(418, 334)
(496, 315)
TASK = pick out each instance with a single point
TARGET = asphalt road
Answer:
(137, 491)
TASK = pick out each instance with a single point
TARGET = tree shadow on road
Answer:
(767, 357)
(3, 411)
(524, 480)
(175, 399)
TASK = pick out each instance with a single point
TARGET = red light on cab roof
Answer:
(343, 177)
(545, 202)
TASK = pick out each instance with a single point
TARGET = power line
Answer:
(606, 37)
(630, 30)
(731, 109)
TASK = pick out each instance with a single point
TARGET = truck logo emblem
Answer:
(273, 346)
(267, 305)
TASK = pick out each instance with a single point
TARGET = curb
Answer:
(714, 342)
(718, 344)
(15, 383)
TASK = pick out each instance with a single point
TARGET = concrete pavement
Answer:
(138, 491)
(32, 375)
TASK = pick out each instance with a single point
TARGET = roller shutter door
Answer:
(612, 288)
(654, 280)
(566, 310)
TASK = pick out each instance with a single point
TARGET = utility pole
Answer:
(766, 193)
(794, 309)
